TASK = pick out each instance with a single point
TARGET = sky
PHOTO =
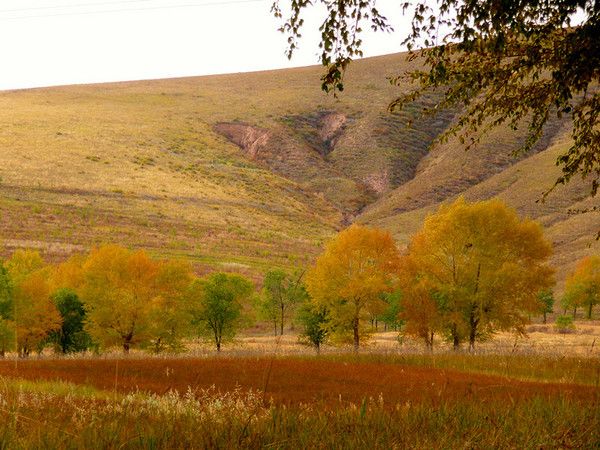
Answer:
(58, 42)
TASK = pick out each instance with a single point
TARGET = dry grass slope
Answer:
(250, 171)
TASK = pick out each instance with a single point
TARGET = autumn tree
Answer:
(583, 285)
(348, 279)
(120, 294)
(34, 314)
(481, 268)
(420, 309)
(217, 303)
(514, 63)
(280, 296)
(171, 317)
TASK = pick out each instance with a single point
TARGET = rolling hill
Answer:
(249, 171)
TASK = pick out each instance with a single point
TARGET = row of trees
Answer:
(114, 296)
(472, 270)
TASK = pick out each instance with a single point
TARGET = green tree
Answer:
(506, 62)
(482, 266)
(546, 298)
(391, 314)
(217, 304)
(7, 326)
(281, 295)
(349, 278)
(71, 337)
(314, 321)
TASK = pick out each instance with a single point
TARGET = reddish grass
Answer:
(291, 380)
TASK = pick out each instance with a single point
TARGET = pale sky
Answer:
(57, 42)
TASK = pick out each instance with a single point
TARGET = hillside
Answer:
(249, 171)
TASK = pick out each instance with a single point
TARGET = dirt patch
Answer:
(320, 130)
(378, 182)
(250, 139)
(331, 128)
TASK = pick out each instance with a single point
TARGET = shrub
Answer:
(564, 324)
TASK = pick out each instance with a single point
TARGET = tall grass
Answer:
(240, 419)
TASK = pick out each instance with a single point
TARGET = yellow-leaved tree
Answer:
(171, 317)
(583, 285)
(34, 312)
(482, 267)
(349, 278)
(132, 299)
(119, 291)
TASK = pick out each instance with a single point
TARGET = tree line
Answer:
(472, 270)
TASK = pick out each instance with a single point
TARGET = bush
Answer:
(564, 324)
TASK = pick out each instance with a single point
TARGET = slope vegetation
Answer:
(250, 171)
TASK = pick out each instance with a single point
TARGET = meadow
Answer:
(274, 398)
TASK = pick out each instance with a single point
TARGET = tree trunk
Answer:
(218, 346)
(575, 313)
(472, 331)
(282, 315)
(356, 336)
(455, 338)
(126, 345)
(429, 341)
(589, 311)
(545, 318)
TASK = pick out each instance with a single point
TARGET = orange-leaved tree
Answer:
(483, 268)
(349, 278)
(583, 285)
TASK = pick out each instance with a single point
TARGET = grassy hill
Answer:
(249, 171)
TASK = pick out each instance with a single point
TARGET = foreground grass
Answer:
(30, 419)
(334, 401)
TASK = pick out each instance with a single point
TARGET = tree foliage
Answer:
(170, 318)
(7, 326)
(120, 292)
(217, 303)
(348, 279)
(583, 285)
(314, 320)
(473, 269)
(34, 314)
(499, 62)
(280, 297)
(71, 336)
(546, 298)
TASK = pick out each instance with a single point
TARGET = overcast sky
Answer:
(56, 42)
